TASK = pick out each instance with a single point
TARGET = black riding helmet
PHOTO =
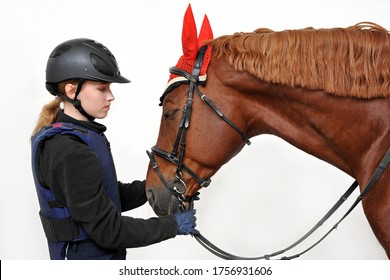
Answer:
(81, 59)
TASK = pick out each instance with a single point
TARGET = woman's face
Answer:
(96, 98)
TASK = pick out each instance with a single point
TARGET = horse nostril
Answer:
(150, 197)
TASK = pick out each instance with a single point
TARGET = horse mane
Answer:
(353, 61)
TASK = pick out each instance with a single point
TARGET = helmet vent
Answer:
(60, 50)
(101, 65)
(107, 51)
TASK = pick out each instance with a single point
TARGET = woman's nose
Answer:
(111, 96)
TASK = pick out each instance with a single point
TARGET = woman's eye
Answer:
(170, 114)
(104, 88)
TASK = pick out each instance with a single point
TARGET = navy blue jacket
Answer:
(73, 172)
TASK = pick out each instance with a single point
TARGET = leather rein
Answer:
(176, 159)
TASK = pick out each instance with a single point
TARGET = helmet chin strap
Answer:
(77, 102)
(52, 88)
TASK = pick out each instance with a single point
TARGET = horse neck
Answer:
(322, 125)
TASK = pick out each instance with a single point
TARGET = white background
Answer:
(260, 202)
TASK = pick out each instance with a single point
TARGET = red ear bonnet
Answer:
(191, 44)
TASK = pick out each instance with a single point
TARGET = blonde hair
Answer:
(50, 111)
(353, 61)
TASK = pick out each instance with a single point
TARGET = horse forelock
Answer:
(353, 61)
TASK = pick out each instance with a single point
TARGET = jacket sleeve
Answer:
(132, 195)
(75, 177)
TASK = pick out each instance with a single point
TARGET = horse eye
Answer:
(170, 114)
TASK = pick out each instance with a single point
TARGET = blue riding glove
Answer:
(186, 222)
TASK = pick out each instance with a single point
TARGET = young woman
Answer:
(80, 198)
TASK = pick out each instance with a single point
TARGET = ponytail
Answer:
(48, 114)
(50, 111)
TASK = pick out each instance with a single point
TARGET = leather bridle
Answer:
(176, 159)
(176, 156)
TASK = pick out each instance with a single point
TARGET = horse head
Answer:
(181, 169)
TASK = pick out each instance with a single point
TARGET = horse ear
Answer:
(189, 35)
(205, 31)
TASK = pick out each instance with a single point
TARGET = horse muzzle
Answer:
(162, 201)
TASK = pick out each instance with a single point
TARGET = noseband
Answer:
(175, 156)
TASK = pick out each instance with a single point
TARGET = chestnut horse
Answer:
(325, 91)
